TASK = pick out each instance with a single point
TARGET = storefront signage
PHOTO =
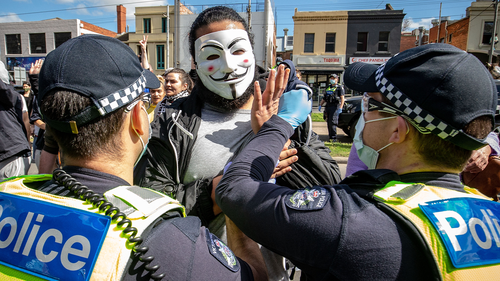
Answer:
(323, 60)
(372, 60)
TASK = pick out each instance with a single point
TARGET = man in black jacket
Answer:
(15, 149)
(197, 136)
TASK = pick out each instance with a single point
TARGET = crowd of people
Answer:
(219, 175)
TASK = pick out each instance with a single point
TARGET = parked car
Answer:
(350, 114)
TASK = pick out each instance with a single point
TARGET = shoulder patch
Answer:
(308, 199)
(222, 252)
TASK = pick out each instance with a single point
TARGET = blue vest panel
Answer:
(469, 229)
(49, 240)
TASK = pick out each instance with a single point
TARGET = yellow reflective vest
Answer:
(115, 250)
(405, 199)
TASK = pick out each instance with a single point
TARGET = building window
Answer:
(61, 37)
(362, 41)
(309, 43)
(383, 41)
(449, 38)
(289, 41)
(37, 43)
(13, 42)
(487, 32)
(160, 57)
(164, 25)
(147, 25)
(330, 43)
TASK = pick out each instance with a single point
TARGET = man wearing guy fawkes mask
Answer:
(198, 135)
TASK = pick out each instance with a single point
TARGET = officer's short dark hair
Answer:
(98, 137)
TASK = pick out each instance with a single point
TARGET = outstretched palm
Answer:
(266, 104)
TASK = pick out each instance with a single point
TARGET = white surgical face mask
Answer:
(368, 155)
(225, 62)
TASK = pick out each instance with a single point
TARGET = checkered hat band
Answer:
(424, 121)
(122, 97)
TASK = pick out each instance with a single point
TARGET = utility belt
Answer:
(45, 236)
(461, 230)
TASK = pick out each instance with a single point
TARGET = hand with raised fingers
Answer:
(35, 67)
(144, 42)
(266, 104)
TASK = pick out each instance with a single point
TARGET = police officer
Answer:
(410, 217)
(334, 100)
(86, 221)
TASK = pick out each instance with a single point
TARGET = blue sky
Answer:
(103, 12)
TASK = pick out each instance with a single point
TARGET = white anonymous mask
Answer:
(225, 62)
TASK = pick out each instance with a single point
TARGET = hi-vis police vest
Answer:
(330, 96)
(461, 229)
(50, 237)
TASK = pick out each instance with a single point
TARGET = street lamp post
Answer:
(492, 47)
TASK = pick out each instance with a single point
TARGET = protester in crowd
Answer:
(139, 234)
(36, 117)
(196, 136)
(28, 95)
(15, 150)
(157, 95)
(298, 73)
(178, 84)
(409, 218)
(333, 100)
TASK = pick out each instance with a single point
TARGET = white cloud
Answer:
(426, 23)
(10, 17)
(130, 7)
(65, 1)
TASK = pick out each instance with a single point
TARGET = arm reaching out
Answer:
(246, 249)
(144, 55)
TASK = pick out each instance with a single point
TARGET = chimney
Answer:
(121, 19)
(285, 38)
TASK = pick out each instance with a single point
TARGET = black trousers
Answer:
(332, 121)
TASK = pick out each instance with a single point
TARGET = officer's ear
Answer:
(400, 131)
(140, 119)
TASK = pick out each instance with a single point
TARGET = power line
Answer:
(78, 8)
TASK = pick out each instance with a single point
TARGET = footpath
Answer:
(321, 129)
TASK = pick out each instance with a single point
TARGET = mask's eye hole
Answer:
(238, 52)
(213, 57)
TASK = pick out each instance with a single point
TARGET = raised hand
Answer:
(266, 104)
(35, 67)
(144, 42)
